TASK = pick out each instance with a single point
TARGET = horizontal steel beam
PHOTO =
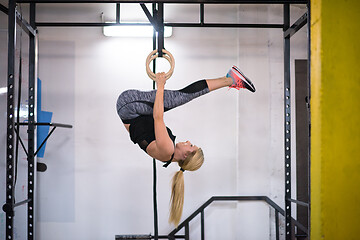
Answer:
(173, 1)
(48, 124)
(85, 24)
(127, 237)
(224, 25)
(205, 25)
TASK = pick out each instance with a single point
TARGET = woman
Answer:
(142, 114)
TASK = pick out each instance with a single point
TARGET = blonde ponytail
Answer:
(192, 163)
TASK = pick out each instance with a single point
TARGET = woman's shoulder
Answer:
(159, 153)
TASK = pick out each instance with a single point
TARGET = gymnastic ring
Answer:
(168, 56)
(154, 54)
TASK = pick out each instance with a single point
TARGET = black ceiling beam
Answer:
(85, 24)
(173, 1)
(205, 25)
(224, 25)
(4, 9)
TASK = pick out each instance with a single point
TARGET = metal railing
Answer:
(186, 223)
(200, 210)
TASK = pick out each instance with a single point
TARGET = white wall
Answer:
(108, 179)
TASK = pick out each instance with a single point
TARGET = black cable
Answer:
(156, 233)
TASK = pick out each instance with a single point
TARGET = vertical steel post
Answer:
(202, 225)
(154, 12)
(277, 224)
(10, 192)
(31, 130)
(201, 13)
(118, 13)
(156, 232)
(309, 112)
(287, 125)
(187, 231)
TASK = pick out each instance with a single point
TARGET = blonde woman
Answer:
(142, 114)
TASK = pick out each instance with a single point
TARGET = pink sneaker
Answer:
(240, 80)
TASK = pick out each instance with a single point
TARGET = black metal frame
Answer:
(201, 210)
(15, 18)
(289, 31)
(158, 23)
(172, 1)
(54, 125)
(287, 123)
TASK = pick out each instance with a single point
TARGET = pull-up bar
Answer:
(54, 125)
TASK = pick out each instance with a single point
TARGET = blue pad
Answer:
(42, 117)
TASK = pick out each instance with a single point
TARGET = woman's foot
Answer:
(239, 79)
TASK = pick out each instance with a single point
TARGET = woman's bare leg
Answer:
(217, 83)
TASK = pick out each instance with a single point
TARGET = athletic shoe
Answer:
(240, 80)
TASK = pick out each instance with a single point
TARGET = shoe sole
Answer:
(250, 85)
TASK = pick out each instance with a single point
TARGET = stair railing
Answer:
(200, 210)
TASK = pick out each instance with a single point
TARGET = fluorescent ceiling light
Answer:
(133, 31)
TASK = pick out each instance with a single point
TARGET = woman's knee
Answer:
(127, 96)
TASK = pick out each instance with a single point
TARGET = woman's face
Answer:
(186, 147)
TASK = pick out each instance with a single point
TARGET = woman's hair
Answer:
(191, 163)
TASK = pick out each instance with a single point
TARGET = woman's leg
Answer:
(217, 83)
(133, 103)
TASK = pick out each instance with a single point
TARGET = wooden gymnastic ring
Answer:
(154, 54)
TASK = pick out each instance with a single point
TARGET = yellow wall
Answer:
(335, 119)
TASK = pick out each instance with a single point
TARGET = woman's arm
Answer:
(162, 148)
